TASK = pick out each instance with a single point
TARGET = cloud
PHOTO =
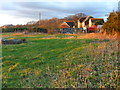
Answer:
(55, 9)
(91, 8)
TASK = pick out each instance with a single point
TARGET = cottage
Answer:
(99, 21)
(89, 23)
(67, 26)
(84, 24)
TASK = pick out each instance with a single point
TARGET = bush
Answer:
(112, 24)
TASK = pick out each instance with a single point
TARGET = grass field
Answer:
(65, 63)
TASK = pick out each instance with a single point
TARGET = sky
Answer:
(20, 11)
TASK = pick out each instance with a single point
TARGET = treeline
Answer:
(112, 25)
(48, 26)
(26, 29)
(52, 25)
(13, 29)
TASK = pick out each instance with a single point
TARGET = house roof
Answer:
(71, 24)
(68, 20)
(97, 19)
(67, 24)
(64, 25)
(82, 19)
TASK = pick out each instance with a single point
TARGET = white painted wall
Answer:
(78, 24)
(90, 22)
(83, 24)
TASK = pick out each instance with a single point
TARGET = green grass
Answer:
(50, 63)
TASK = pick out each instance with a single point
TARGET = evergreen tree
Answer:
(113, 23)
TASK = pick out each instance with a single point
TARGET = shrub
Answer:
(112, 24)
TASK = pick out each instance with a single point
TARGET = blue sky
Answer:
(21, 12)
